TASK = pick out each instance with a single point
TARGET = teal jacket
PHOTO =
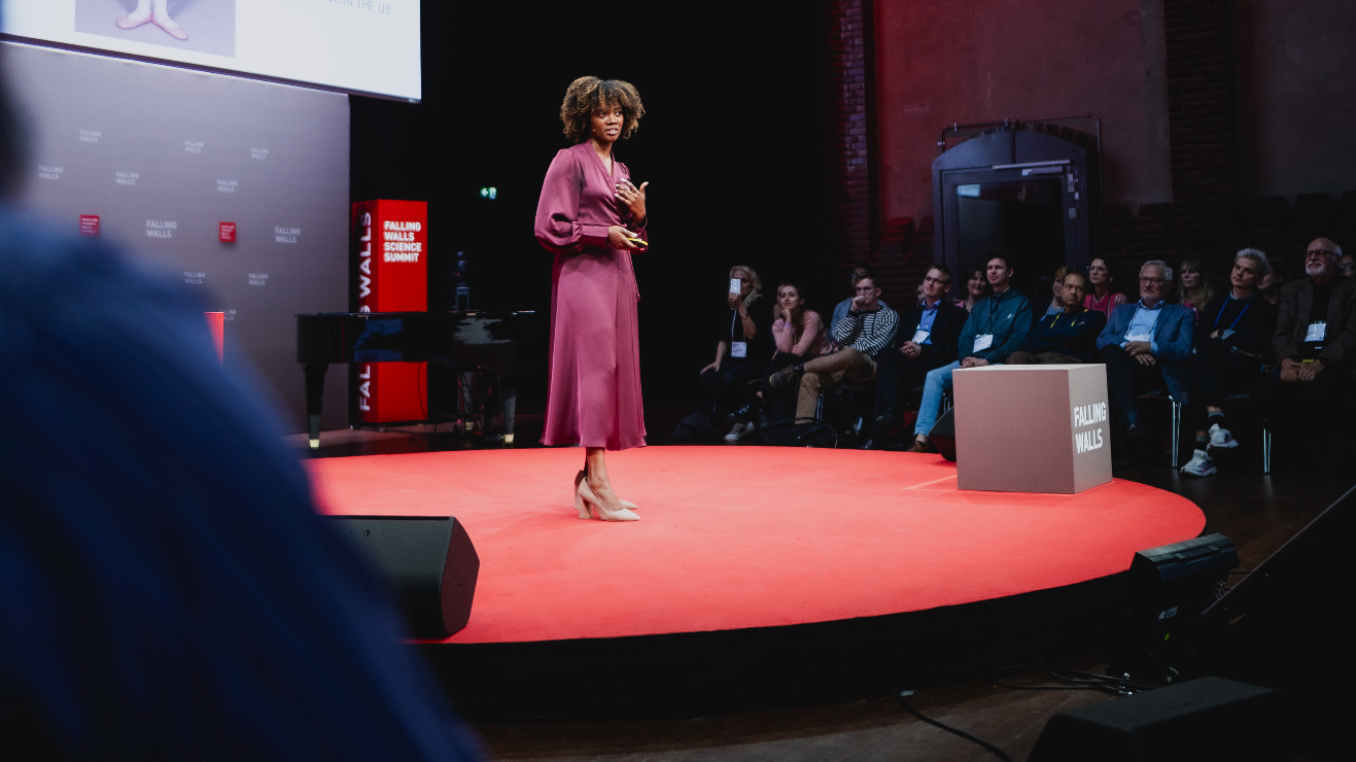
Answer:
(1007, 316)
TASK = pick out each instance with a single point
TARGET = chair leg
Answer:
(1266, 446)
(1176, 431)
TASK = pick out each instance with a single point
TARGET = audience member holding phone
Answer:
(744, 343)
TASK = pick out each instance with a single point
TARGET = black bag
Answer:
(700, 426)
(813, 433)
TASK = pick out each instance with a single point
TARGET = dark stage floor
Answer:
(1258, 512)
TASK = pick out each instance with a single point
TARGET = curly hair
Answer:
(588, 94)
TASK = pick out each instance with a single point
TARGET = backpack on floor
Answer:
(811, 433)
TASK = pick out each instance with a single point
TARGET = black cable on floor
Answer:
(987, 746)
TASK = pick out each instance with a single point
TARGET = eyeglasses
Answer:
(1320, 253)
(931, 279)
(1159, 281)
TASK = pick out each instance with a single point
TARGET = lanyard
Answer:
(1060, 314)
(993, 313)
(1240, 315)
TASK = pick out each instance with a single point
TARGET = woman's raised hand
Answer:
(633, 197)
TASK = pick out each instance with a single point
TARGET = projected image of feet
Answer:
(206, 26)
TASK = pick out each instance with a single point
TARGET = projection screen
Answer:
(369, 47)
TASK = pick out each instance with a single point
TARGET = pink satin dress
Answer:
(593, 398)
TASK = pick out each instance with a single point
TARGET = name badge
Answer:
(1138, 337)
(983, 342)
(920, 336)
(739, 349)
(1316, 331)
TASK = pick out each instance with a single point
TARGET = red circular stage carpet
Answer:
(737, 537)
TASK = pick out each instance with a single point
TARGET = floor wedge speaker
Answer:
(943, 435)
(429, 562)
(1209, 718)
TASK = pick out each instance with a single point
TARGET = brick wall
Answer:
(850, 112)
(1201, 120)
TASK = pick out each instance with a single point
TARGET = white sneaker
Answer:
(1221, 437)
(740, 431)
(1200, 465)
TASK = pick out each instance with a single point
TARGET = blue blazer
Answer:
(1173, 335)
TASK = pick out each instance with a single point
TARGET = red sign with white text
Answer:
(226, 232)
(89, 224)
(390, 241)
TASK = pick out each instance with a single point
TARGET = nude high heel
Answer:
(579, 504)
(593, 504)
(579, 501)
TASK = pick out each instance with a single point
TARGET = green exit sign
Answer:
(489, 192)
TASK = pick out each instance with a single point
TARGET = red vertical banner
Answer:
(391, 245)
(216, 326)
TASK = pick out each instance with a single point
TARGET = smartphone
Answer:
(736, 286)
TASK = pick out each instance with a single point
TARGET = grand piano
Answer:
(490, 341)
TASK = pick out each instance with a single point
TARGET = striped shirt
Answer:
(867, 332)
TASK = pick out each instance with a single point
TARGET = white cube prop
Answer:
(1032, 428)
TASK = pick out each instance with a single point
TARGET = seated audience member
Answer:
(926, 340)
(997, 327)
(976, 288)
(1348, 266)
(1056, 287)
(1146, 345)
(1102, 295)
(1279, 275)
(743, 346)
(1315, 348)
(799, 336)
(1194, 287)
(1067, 336)
(867, 328)
(168, 589)
(1232, 339)
(841, 309)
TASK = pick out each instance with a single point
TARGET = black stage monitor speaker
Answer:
(1180, 580)
(429, 562)
(1166, 590)
(1210, 718)
(943, 435)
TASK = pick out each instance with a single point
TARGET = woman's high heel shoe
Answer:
(579, 501)
(593, 504)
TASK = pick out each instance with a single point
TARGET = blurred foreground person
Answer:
(168, 591)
